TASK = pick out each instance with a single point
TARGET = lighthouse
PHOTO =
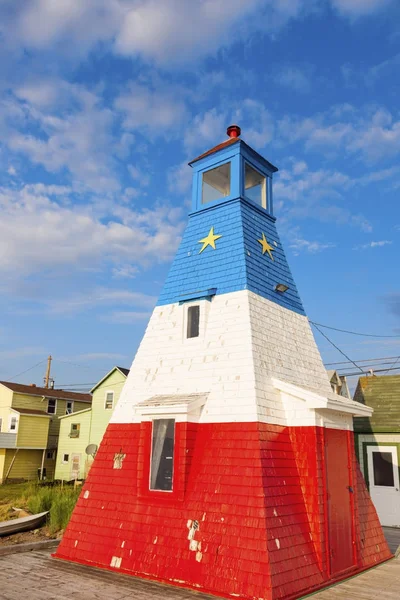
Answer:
(228, 465)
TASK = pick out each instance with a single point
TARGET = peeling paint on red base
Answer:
(259, 494)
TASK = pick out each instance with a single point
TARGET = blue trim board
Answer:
(237, 263)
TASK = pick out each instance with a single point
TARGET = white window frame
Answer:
(65, 461)
(15, 419)
(105, 400)
(55, 406)
(203, 305)
(380, 449)
(67, 412)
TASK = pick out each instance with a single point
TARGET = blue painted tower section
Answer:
(237, 262)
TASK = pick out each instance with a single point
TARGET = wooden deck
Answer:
(36, 576)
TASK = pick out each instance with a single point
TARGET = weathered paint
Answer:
(248, 514)
(257, 483)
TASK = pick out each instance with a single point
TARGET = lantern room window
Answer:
(216, 183)
(255, 186)
(193, 321)
(162, 455)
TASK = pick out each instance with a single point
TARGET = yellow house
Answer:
(29, 428)
(84, 430)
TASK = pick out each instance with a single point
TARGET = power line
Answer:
(395, 363)
(362, 360)
(337, 348)
(67, 362)
(26, 371)
(368, 372)
(354, 332)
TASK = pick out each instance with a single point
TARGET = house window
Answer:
(383, 468)
(65, 458)
(255, 186)
(162, 455)
(50, 455)
(13, 424)
(193, 321)
(75, 428)
(109, 400)
(51, 406)
(216, 183)
(70, 407)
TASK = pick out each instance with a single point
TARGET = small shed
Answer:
(377, 441)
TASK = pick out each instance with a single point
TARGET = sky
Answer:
(102, 105)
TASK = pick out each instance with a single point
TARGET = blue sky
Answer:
(103, 103)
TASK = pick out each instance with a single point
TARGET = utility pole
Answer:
(47, 376)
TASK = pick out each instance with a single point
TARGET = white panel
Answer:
(244, 342)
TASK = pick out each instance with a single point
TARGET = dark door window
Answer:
(383, 468)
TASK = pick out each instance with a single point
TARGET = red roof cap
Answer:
(233, 131)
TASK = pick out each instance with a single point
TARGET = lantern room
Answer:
(229, 171)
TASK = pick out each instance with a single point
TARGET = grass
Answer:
(36, 498)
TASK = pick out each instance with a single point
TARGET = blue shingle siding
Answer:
(237, 263)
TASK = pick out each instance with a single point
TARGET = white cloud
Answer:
(298, 245)
(206, 130)
(359, 8)
(373, 244)
(11, 170)
(294, 78)
(39, 232)
(155, 111)
(371, 134)
(125, 272)
(180, 178)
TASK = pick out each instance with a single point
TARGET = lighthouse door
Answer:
(338, 480)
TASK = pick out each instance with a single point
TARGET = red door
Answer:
(339, 501)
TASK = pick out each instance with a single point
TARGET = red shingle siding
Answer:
(256, 490)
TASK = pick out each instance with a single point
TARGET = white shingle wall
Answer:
(244, 341)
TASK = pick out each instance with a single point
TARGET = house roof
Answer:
(123, 372)
(78, 412)
(29, 411)
(383, 395)
(225, 144)
(34, 390)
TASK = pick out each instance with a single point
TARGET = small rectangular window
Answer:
(216, 183)
(65, 458)
(13, 424)
(109, 400)
(69, 407)
(383, 468)
(193, 321)
(52, 406)
(50, 455)
(75, 428)
(162, 455)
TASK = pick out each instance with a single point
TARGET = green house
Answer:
(29, 428)
(84, 430)
(377, 441)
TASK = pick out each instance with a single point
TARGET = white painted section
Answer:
(245, 342)
(386, 498)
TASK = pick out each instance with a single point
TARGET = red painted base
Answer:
(271, 523)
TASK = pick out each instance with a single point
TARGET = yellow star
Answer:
(266, 247)
(209, 240)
